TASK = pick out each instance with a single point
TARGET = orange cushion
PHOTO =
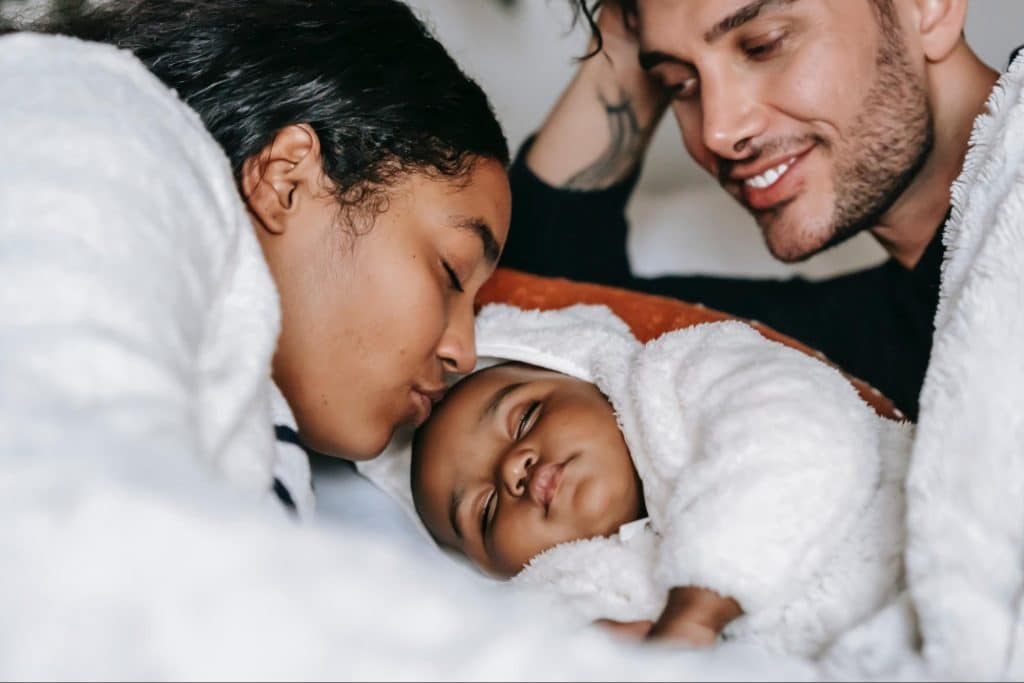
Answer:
(648, 315)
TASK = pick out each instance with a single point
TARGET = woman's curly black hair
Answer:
(382, 94)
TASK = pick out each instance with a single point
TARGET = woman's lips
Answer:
(423, 400)
(544, 484)
(422, 406)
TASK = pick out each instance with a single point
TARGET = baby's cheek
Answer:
(516, 542)
(590, 506)
(607, 505)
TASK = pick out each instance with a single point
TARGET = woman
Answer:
(372, 174)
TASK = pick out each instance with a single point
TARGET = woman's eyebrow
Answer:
(479, 227)
(496, 400)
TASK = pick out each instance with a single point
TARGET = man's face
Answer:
(811, 113)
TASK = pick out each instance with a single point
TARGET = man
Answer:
(824, 118)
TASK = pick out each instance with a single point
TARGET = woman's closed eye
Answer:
(453, 277)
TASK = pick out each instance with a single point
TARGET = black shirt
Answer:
(876, 324)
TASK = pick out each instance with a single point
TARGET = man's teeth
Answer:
(769, 177)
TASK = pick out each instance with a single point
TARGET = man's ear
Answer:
(282, 175)
(940, 24)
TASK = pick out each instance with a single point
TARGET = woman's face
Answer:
(370, 323)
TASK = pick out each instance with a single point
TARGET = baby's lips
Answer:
(544, 483)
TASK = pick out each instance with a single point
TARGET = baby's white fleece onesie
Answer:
(766, 478)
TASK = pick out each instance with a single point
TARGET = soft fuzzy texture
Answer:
(965, 558)
(766, 477)
(648, 315)
(138, 313)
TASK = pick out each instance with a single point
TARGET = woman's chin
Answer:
(368, 447)
(363, 441)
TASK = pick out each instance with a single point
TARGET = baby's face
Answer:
(517, 460)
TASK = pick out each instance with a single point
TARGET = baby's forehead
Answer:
(439, 441)
(511, 371)
(479, 387)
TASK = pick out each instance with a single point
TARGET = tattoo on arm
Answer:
(628, 139)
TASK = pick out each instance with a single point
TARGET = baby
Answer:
(774, 494)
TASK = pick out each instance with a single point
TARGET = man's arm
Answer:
(600, 128)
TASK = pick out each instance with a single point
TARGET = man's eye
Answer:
(765, 49)
(488, 512)
(530, 411)
(683, 91)
(453, 277)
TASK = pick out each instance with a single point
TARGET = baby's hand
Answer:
(695, 616)
(633, 630)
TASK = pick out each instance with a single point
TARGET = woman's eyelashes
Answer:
(453, 277)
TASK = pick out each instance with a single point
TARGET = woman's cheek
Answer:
(427, 312)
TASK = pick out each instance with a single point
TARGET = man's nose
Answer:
(732, 117)
(457, 347)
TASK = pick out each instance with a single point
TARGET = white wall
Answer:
(522, 56)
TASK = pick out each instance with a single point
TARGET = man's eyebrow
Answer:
(480, 228)
(652, 58)
(496, 399)
(748, 12)
(453, 510)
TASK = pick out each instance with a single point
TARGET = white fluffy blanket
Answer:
(139, 316)
(965, 558)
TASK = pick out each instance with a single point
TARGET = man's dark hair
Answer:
(382, 94)
(587, 11)
(885, 12)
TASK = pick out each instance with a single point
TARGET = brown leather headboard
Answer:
(649, 316)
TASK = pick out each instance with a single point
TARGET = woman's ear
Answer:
(276, 181)
(940, 24)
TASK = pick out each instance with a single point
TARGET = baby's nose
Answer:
(515, 471)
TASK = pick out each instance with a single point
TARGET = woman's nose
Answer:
(515, 469)
(457, 348)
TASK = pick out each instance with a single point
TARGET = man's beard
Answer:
(894, 135)
(889, 142)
